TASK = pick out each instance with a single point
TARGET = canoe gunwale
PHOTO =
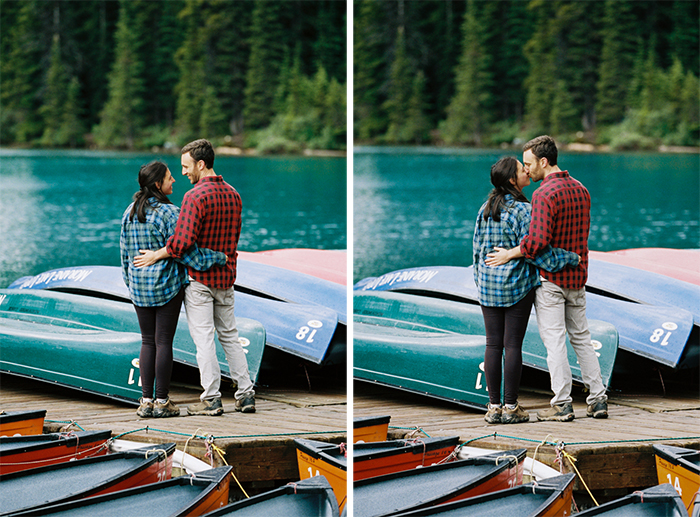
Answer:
(402, 446)
(318, 453)
(7, 417)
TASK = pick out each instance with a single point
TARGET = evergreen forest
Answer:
(487, 73)
(138, 74)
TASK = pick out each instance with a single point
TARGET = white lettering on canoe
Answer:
(76, 275)
(415, 275)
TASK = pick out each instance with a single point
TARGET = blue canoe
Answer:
(291, 286)
(660, 500)
(301, 330)
(92, 344)
(312, 497)
(657, 333)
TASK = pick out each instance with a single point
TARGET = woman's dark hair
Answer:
(502, 172)
(149, 175)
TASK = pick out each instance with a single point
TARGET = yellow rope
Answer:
(572, 460)
(220, 452)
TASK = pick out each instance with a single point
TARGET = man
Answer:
(210, 217)
(561, 218)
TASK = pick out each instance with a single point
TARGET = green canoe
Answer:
(92, 344)
(436, 347)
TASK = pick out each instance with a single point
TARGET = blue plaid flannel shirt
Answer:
(156, 285)
(506, 285)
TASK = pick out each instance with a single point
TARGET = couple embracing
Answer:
(535, 254)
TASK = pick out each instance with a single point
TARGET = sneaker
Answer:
(597, 409)
(166, 410)
(211, 407)
(145, 409)
(514, 416)
(563, 413)
(493, 415)
(246, 404)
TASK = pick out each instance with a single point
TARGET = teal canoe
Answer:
(436, 347)
(660, 500)
(92, 344)
(312, 497)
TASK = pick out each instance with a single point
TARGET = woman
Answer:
(507, 292)
(157, 291)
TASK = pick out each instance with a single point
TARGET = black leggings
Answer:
(505, 329)
(158, 325)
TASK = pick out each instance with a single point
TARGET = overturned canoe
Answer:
(181, 496)
(331, 265)
(20, 453)
(379, 458)
(370, 428)
(72, 480)
(315, 458)
(22, 422)
(92, 344)
(660, 500)
(683, 265)
(438, 484)
(548, 498)
(311, 497)
(302, 330)
(680, 467)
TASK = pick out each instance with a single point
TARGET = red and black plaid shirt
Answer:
(211, 217)
(561, 216)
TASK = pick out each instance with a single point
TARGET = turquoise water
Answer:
(60, 209)
(417, 207)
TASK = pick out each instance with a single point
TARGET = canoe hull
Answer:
(21, 453)
(23, 423)
(314, 460)
(328, 265)
(652, 502)
(371, 429)
(377, 459)
(679, 467)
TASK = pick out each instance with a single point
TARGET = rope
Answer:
(219, 451)
(69, 422)
(414, 429)
(572, 460)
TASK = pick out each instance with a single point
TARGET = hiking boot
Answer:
(563, 413)
(493, 415)
(165, 410)
(145, 409)
(211, 407)
(246, 404)
(598, 409)
(514, 416)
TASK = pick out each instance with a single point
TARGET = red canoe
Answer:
(73, 480)
(379, 458)
(20, 453)
(329, 265)
(428, 486)
(679, 264)
(13, 423)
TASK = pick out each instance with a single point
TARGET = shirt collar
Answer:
(560, 174)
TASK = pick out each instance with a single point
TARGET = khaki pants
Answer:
(561, 311)
(209, 310)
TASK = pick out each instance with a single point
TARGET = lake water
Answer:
(60, 209)
(417, 207)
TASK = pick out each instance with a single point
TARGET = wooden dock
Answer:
(258, 446)
(613, 456)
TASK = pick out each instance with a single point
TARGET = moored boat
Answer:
(680, 467)
(548, 498)
(311, 497)
(315, 458)
(26, 422)
(331, 265)
(20, 453)
(72, 480)
(660, 500)
(683, 265)
(370, 428)
(181, 496)
(379, 458)
(437, 484)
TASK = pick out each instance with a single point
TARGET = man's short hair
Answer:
(200, 150)
(543, 147)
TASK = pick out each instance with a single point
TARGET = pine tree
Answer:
(122, 116)
(266, 53)
(72, 126)
(52, 108)
(467, 114)
(417, 126)
(399, 90)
